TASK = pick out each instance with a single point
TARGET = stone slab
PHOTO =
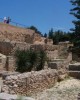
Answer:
(75, 74)
(5, 74)
(74, 67)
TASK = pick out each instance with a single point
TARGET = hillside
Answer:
(12, 29)
(13, 33)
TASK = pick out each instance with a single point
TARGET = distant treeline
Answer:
(72, 36)
(56, 36)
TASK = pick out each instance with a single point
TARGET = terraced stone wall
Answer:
(31, 82)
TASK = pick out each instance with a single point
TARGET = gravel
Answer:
(64, 90)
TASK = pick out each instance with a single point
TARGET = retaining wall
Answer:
(31, 82)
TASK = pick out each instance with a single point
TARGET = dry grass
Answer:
(14, 29)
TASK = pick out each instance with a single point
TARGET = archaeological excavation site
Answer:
(57, 78)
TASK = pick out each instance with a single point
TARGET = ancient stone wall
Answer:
(45, 47)
(54, 51)
(10, 66)
(51, 50)
(30, 82)
(52, 55)
(69, 57)
(2, 62)
(75, 57)
(5, 48)
(8, 48)
(66, 44)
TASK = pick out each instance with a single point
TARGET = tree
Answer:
(57, 36)
(35, 29)
(76, 13)
(50, 34)
(45, 35)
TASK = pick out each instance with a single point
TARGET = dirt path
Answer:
(65, 90)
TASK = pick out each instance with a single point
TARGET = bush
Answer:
(27, 60)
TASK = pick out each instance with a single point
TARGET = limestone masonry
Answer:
(56, 69)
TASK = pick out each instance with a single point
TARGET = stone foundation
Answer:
(31, 82)
(2, 62)
(75, 57)
(9, 48)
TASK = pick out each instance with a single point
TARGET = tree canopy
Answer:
(76, 13)
(35, 29)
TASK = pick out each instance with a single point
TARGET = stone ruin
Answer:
(13, 38)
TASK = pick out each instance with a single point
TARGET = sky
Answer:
(43, 14)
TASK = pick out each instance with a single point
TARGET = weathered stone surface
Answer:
(75, 57)
(45, 47)
(12, 33)
(74, 70)
(66, 43)
(9, 48)
(10, 63)
(2, 72)
(2, 62)
(5, 96)
(75, 74)
(5, 74)
(62, 77)
(61, 66)
(58, 64)
(74, 67)
(63, 49)
(30, 82)
(52, 54)
(1, 84)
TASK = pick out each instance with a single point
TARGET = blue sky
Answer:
(44, 14)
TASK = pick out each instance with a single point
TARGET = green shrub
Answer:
(27, 60)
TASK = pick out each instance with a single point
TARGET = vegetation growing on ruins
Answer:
(27, 60)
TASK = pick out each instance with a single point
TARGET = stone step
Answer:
(57, 60)
(56, 65)
(74, 67)
(75, 74)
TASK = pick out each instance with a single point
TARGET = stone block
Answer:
(30, 82)
(74, 67)
(5, 74)
(56, 65)
(75, 74)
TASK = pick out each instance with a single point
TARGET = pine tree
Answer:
(76, 13)
(45, 35)
(50, 34)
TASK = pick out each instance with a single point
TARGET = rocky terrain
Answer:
(64, 90)
(47, 80)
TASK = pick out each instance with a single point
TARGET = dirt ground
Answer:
(64, 90)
